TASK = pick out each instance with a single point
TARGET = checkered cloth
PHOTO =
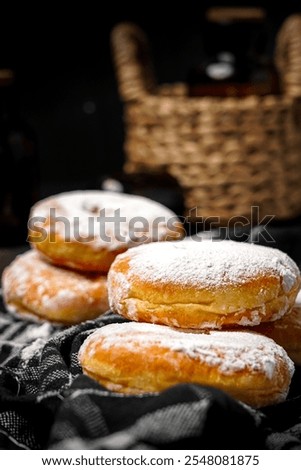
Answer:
(46, 402)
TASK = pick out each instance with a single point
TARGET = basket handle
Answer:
(288, 55)
(133, 65)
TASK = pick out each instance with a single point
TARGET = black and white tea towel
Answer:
(47, 403)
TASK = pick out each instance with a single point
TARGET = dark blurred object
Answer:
(218, 77)
(19, 173)
(286, 237)
(232, 14)
(236, 62)
(156, 185)
(8, 254)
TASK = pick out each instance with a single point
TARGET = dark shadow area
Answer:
(65, 86)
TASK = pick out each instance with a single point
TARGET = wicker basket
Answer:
(227, 154)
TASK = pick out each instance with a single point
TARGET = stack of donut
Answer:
(75, 236)
(194, 309)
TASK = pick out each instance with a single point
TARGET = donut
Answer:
(31, 285)
(207, 284)
(286, 332)
(134, 358)
(85, 230)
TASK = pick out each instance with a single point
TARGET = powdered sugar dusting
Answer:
(298, 300)
(47, 287)
(41, 332)
(120, 289)
(291, 321)
(210, 263)
(228, 351)
(32, 350)
(253, 319)
(106, 219)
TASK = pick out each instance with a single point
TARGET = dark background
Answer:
(65, 82)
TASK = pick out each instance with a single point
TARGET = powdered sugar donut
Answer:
(140, 357)
(32, 286)
(190, 284)
(286, 332)
(86, 229)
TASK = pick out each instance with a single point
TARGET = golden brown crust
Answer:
(186, 308)
(75, 255)
(33, 286)
(123, 359)
(286, 332)
(166, 300)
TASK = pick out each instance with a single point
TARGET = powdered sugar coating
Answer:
(211, 264)
(31, 283)
(298, 300)
(31, 350)
(229, 351)
(30, 268)
(106, 219)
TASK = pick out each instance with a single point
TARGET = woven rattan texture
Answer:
(227, 154)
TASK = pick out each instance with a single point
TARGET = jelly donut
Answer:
(190, 284)
(85, 230)
(32, 286)
(133, 358)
